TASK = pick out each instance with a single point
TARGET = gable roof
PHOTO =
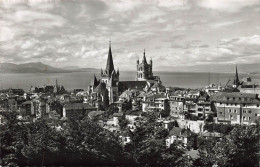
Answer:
(78, 106)
(177, 131)
(156, 96)
(235, 97)
(124, 85)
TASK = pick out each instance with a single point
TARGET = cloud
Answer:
(227, 6)
(173, 4)
(174, 33)
(61, 59)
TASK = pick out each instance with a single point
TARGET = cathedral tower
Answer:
(110, 77)
(144, 70)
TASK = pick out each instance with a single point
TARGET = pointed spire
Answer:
(236, 77)
(144, 58)
(94, 82)
(118, 71)
(101, 71)
(110, 64)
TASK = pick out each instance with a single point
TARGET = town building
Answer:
(176, 102)
(155, 103)
(70, 110)
(180, 135)
(236, 107)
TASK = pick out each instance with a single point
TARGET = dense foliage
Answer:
(77, 141)
(238, 149)
(220, 128)
(148, 147)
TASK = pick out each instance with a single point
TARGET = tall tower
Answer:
(236, 82)
(110, 77)
(144, 70)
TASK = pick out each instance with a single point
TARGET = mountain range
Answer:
(38, 67)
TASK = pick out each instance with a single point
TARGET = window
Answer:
(244, 118)
(235, 111)
(257, 105)
(249, 111)
(249, 118)
(256, 115)
(229, 110)
(231, 116)
(244, 111)
(220, 113)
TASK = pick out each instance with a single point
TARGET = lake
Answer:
(82, 79)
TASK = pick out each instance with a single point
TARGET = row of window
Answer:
(235, 111)
(234, 104)
(221, 113)
(244, 99)
(244, 118)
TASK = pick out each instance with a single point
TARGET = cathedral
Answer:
(108, 88)
(109, 79)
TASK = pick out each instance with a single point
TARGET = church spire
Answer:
(110, 64)
(236, 74)
(144, 58)
(236, 82)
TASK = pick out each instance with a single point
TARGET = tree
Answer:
(166, 111)
(8, 139)
(148, 145)
(77, 141)
(123, 123)
(238, 150)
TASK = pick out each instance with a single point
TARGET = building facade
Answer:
(237, 108)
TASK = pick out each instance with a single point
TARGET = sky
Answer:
(176, 34)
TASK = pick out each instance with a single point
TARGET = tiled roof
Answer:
(176, 131)
(78, 106)
(235, 97)
(194, 91)
(124, 85)
(156, 96)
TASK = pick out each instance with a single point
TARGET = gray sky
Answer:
(175, 34)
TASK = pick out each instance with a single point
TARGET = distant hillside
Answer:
(78, 69)
(218, 68)
(37, 67)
